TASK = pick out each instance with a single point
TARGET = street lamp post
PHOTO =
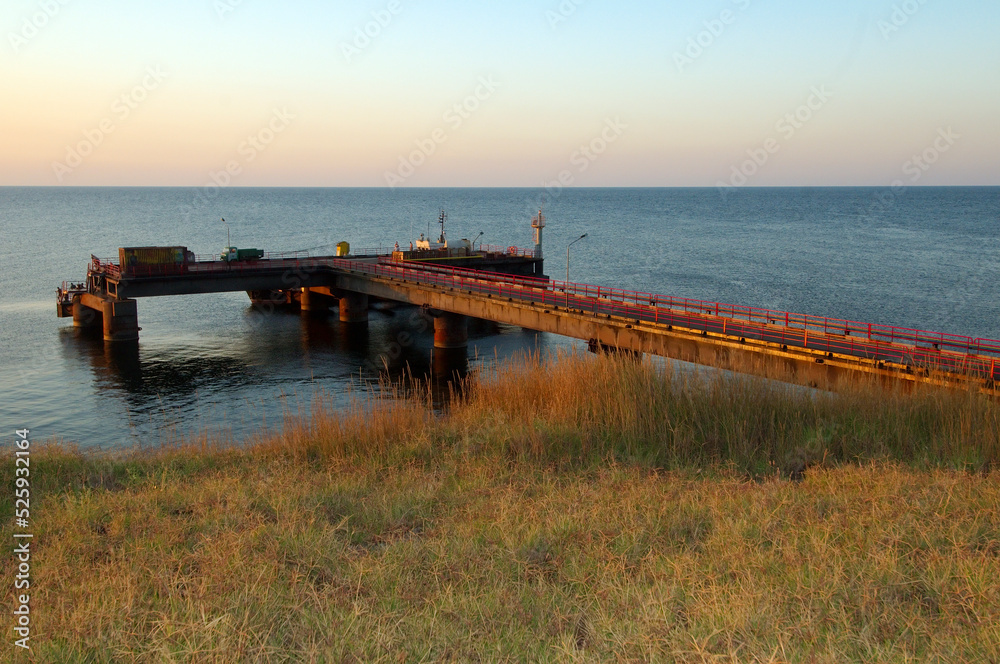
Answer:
(227, 253)
(567, 253)
(474, 241)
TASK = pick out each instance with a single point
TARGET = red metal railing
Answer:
(818, 324)
(831, 335)
(209, 262)
(506, 251)
(485, 248)
(106, 266)
(66, 292)
(374, 251)
(906, 346)
(202, 263)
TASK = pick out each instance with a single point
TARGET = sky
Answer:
(547, 93)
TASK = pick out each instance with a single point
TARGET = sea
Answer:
(212, 365)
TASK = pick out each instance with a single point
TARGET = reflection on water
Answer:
(325, 335)
(449, 364)
(392, 353)
(449, 369)
(125, 367)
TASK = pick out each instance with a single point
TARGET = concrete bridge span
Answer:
(815, 351)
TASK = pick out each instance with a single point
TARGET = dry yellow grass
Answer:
(585, 510)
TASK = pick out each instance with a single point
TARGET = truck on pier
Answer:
(232, 254)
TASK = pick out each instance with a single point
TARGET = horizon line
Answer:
(581, 188)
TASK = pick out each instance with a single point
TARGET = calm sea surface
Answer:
(928, 258)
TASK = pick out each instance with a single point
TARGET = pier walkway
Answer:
(811, 350)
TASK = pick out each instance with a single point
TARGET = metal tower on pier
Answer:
(538, 223)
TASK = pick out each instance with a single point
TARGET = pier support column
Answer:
(121, 320)
(84, 316)
(354, 308)
(271, 299)
(317, 303)
(449, 364)
(451, 331)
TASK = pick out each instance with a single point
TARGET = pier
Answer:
(810, 350)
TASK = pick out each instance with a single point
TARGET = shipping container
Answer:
(231, 254)
(152, 256)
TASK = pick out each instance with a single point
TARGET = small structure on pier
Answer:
(506, 260)
(538, 223)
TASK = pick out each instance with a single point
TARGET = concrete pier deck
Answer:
(810, 350)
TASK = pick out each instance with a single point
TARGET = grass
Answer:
(579, 509)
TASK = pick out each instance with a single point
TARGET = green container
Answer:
(249, 254)
(231, 254)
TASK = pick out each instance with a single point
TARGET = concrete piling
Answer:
(121, 320)
(84, 316)
(451, 331)
(314, 302)
(353, 308)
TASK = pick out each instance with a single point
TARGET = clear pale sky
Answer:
(287, 94)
